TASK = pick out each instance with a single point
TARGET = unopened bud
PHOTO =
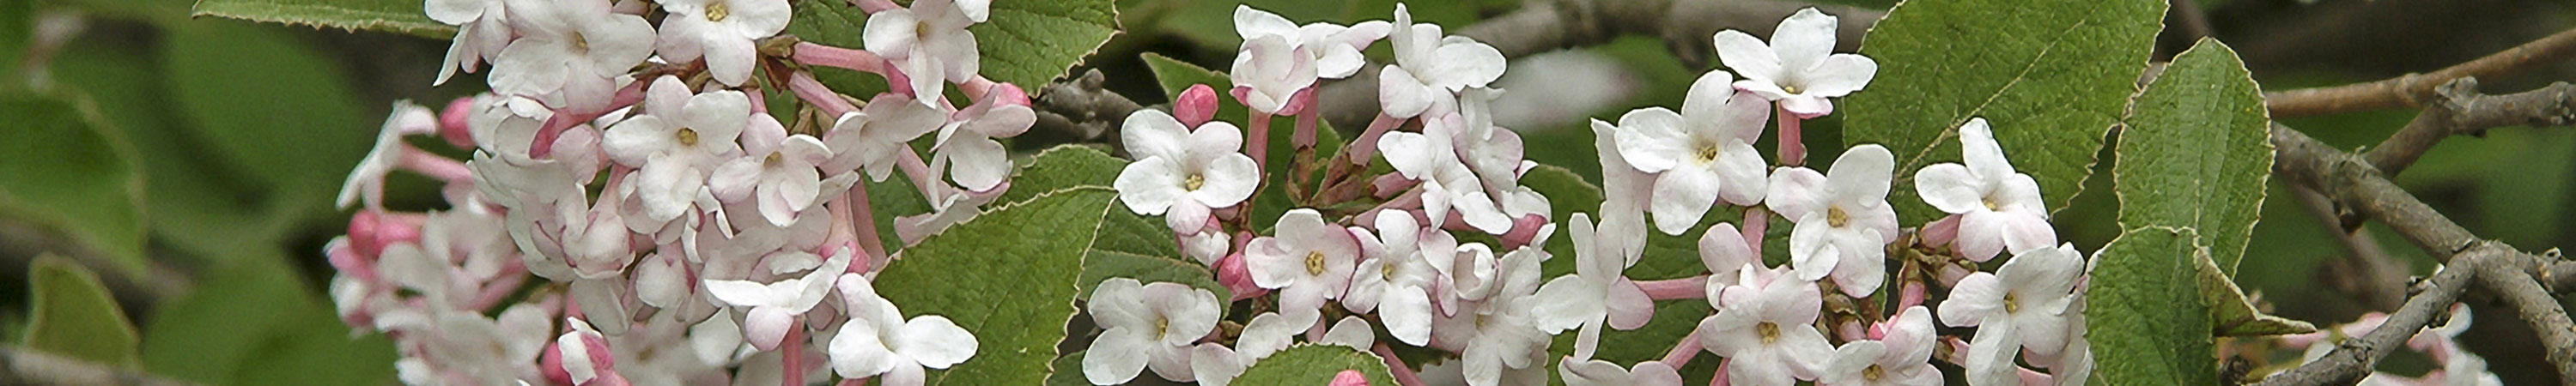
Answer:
(1195, 106)
(452, 123)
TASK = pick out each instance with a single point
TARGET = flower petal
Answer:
(935, 341)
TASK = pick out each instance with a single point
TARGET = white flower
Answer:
(578, 47)
(1270, 332)
(586, 355)
(1723, 250)
(1270, 68)
(1395, 279)
(1216, 365)
(775, 306)
(1335, 49)
(1187, 173)
(777, 171)
(368, 181)
(1499, 335)
(1430, 66)
(482, 31)
(872, 137)
(1147, 325)
(1843, 219)
(1900, 358)
(1310, 261)
(1798, 68)
(966, 143)
(928, 42)
(722, 31)
(486, 349)
(1624, 192)
(1998, 208)
(1353, 332)
(877, 340)
(1701, 155)
(675, 146)
(1447, 181)
(2020, 306)
(1767, 327)
(1207, 247)
(1597, 293)
(1603, 373)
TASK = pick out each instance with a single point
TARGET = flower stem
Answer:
(1684, 350)
(1757, 222)
(1404, 375)
(829, 56)
(814, 92)
(444, 169)
(1366, 146)
(1258, 145)
(792, 356)
(1793, 149)
(1694, 287)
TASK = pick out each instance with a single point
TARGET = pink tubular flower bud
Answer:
(371, 231)
(452, 123)
(1350, 378)
(550, 361)
(1237, 278)
(1195, 106)
(1942, 231)
(1523, 231)
(1006, 94)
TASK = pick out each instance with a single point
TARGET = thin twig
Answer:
(21, 366)
(2410, 89)
(2351, 181)
(2355, 357)
(2459, 108)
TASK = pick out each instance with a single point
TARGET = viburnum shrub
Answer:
(684, 192)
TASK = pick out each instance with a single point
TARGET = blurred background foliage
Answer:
(191, 162)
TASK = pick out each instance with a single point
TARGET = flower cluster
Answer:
(2458, 366)
(1444, 251)
(682, 232)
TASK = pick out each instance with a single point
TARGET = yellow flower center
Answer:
(1792, 89)
(1770, 332)
(579, 42)
(1873, 373)
(686, 136)
(1708, 153)
(1387, 272)
(717, 11)
(2012, 302)
(1990, 203)
(1194, 182)
(1315, 263)
(772, 160)
(1162, 326)
(1834, 216)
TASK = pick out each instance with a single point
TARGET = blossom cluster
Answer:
(679, 231)
(2458, 366)
(1443, 248)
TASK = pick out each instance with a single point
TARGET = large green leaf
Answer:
(275, 107)
(1030, 43)
(2146, 319)
(1313, 364)
(63, 168)
(2231, 313)
(2051, 76)
(1177, 76)
(402, 16)
(75, 316)
(1129, 245)
(2196, 152)
(1007, 279)
(252, 321)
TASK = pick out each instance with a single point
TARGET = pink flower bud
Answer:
(1006, 94)
(451, 123)
(1350, 378)
(550, 362)
(1195, 106)
(1523, 231)
(370, 231)
(1942, 231)
(1232, 273)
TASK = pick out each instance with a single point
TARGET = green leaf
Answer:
(2051, 76)
(1069, 371)
(2231, 312)
(1129, 245)
(1010, 283)
(279, 109)
(63, 168)
(17, 27)
(252, 321)
(1313, 364)
(1029, 43)
(399, 16)
(2146, 319)
(75, 316)
(1267, 205)
(201, 205)
(2196, 152)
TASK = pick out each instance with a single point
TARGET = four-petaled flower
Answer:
(722, 31)
(775, 306)
(1766, 326)
(2019, 307)
(929, 42)
(684, 136)
(1430, 67)
(1310, 261)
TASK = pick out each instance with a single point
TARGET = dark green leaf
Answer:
(1029, 43)
(2145, 316)
(61, 167)
(400, 16)
(253, 322)
(2051, 76)
(2231, 312)
(2196, 152)
(277, 108)
(1313, 364)
(75, 316)
(1010, 283)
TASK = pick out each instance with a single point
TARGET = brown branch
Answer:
(2354, 358)
(21, 366)
(2411, 89)
(2350, 180)
(1082, 109)
(2460, 109)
